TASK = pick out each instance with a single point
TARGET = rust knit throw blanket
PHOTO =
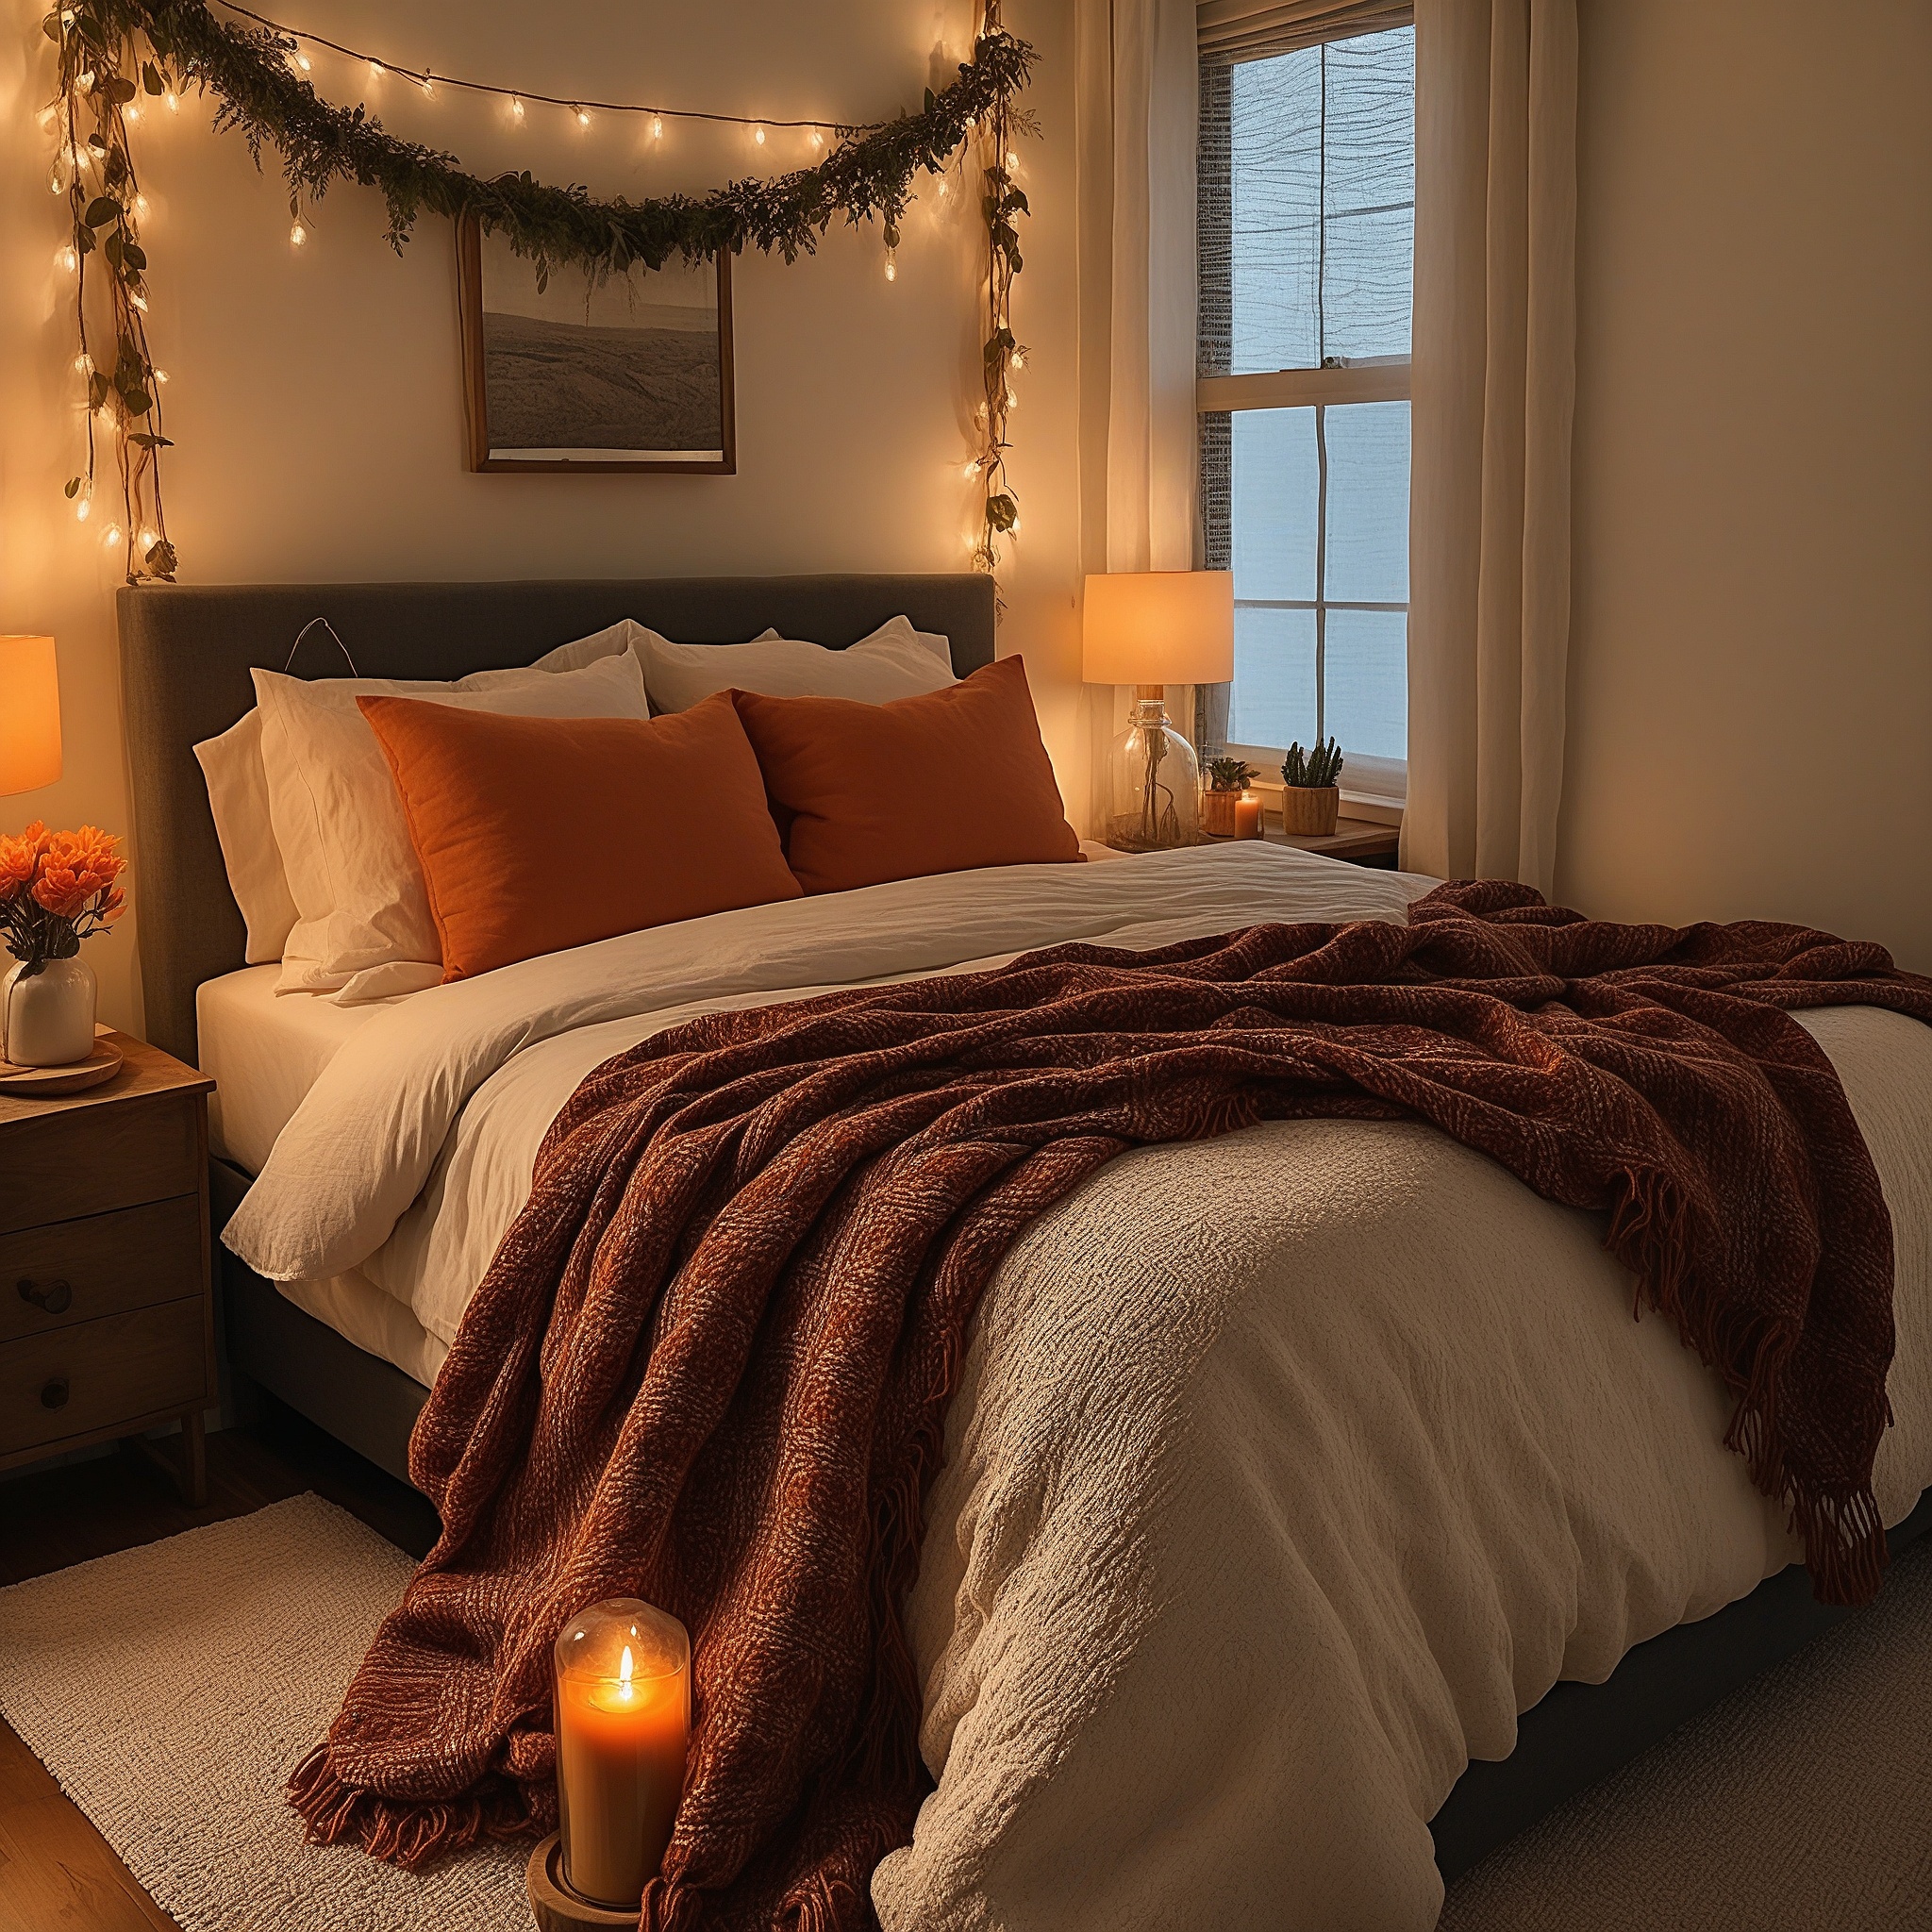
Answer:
(709, 1364)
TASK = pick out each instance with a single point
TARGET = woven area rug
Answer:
(171, 1688)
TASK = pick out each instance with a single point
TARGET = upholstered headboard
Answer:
(186, 653)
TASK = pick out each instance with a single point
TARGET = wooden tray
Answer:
(49, 1083)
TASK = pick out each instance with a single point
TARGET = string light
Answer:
(297, 234)
(758, 134)
(1017, 360)
(148, 541)
(132, 112)
(66, 259)
(583, 117)
(110, 535)
(139, 300)
(84, 363)
(427, 84)
(375, 70)
(818, 137)
(516, 107)
(891, 265)
(174, 101)
(304, 63)
(141, 206)
(83, 509)
(54, 182)
(656, 127)
(160, 376)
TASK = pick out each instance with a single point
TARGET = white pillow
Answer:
(896, 661)
(364, 929)
(238, 791)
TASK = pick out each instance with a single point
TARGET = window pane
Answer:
(1275, 164)
(1366, 664)
(1276, 487)
(1274, 697)
(1369, 194)
(1322, 185)
(1368, 503)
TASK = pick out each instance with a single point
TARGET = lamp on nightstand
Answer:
(29, 714)
(1150, 629)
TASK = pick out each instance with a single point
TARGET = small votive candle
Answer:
(1247, 815)
(622, 1726)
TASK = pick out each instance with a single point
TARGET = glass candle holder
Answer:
(622, 1727)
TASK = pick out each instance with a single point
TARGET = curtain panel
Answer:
(1495, 388)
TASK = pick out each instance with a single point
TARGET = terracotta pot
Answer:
(1309, 811)
(1217, 813)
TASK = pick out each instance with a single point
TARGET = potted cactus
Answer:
(1225, 780)
(1311, 799)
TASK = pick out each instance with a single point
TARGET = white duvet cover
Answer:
(1286, 1468)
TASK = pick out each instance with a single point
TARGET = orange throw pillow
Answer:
(537, 834)
(944, 782)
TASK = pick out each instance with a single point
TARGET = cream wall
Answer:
(315, 395)
(1751, 697)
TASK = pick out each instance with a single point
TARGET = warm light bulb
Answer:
(132, 112)
(142, 207)
(83, 509)
(427, 85)
(1018, 359)
(84, 363)
(139, 300)
(305, 63)
(656, 127)
(298, 234)
(971, 471)
(1013, 401)
(758, 134)
(110, 535)
(583, 117)
(174, 101)
(516, 107)
(148, 541)
(160, 376)
(67, 258)
(891, 267)
(818, 139)
(54, 182)
(946, 187)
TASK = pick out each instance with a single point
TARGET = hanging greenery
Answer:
(119, 55)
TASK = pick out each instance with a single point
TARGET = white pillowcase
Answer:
(364, 929)
(896, 661)
(238, 790)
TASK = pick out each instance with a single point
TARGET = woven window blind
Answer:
(1254, 29)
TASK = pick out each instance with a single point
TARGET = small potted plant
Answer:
(1226, 779)
(57, 889)
(1311, 799)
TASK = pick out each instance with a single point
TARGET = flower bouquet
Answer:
(57, 889)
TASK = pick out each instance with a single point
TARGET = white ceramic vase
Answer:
(48, 1021)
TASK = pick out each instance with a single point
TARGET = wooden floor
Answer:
(57, 1873)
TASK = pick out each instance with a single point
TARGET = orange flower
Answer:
(78, 867)
(20, 859)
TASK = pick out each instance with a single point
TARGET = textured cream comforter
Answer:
(1287, 1467)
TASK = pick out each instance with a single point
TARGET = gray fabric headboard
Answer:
(186, 652)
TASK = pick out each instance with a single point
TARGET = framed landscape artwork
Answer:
(634, 374)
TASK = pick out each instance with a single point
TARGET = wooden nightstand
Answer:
(107, 1313)
(1361, 841)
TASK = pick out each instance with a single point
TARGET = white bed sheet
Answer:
(1285, 1470)
(264, 1054)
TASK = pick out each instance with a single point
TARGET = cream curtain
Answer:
(1495, 385)
(1137, 89)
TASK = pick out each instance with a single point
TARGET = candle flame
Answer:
(623, 1670)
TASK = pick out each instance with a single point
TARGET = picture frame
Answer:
(641, 383)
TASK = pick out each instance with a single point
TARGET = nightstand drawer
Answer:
(91, 1161)
(78, 1271)
(97, 1373)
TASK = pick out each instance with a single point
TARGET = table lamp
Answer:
(1150, 629)
(29, 714)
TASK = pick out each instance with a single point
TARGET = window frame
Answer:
(1375, 782)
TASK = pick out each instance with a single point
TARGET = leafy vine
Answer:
(118, 59)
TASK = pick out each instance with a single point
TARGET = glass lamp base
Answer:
(1152, 800)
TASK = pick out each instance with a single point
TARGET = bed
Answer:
(1669, 1619)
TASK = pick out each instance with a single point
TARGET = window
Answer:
(1307, 246)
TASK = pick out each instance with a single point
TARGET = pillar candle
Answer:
(623, 1725)
(1247, 816)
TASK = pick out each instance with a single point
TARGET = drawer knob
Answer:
(53, 1394)
(55, 1297)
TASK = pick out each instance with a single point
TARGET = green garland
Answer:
(263, 96)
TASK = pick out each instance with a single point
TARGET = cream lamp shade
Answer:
(1158, 627)
(29, 714)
